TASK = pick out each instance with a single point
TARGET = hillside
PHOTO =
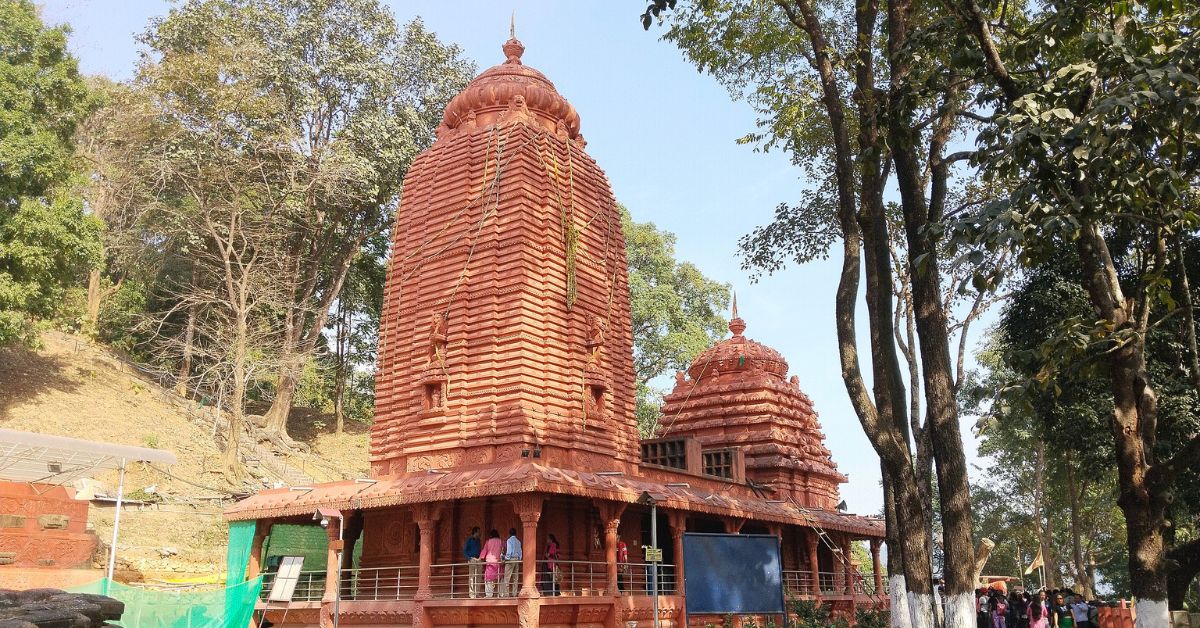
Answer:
(72, 387)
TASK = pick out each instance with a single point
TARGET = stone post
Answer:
(810, 540)
(262, 529)
(875, 567)
(610, 516)
(529, 509)
(332, 559)
(354, 526)
(426, 516)
(677, 521)
(848, 566)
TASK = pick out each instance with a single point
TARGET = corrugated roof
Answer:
(48, 459)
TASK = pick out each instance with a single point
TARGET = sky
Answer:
(664, 133)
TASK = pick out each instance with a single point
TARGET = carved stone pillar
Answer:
(610, 516)
(529, 509)
(875, 566)
(425, 516)
(262, 529)
(677, 521)
(814, 565)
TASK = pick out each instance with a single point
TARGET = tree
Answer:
(361, 97)
(853, 96)
(676, 312)
(46, 238)
(1096, 115)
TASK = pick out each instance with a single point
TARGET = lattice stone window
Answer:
(719, 462)
(665, 453)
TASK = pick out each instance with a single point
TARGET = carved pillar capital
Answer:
(528, 507)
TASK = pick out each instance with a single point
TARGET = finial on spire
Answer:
(513, 48)
(736, 324)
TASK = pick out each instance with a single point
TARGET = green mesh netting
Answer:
(237, 557)
(222, 607)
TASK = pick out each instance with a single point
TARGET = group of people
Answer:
(1043, 609)
(496, 564)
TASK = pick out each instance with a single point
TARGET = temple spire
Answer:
(512, 25)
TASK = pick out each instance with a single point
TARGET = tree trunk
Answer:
(1185, 566)
(1041, 511)
(299, 342)
(339, 374)
(1083, 584)
(93, 297)
(237, 401)
(185, 364)
(900, 616)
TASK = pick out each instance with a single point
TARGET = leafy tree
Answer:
(676, 312)
(860, 93)
(46, 239)
(1096, 109)
(361, 96)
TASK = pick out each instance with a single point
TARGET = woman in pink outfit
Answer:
(1037, 615)
(493, 550)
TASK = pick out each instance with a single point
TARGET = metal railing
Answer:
(380, 583)
(310, 586)
(803, 583)
(469, 580)
(635, 578)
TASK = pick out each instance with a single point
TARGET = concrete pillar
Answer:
(529, 509)
(677, 521)
(262, 529)
(875, 566)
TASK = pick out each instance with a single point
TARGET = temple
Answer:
(505, 400)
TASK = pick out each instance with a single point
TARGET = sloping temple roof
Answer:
(526, 478)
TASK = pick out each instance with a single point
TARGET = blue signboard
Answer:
(732, 573)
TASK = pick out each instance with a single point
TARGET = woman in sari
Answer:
(493, 550)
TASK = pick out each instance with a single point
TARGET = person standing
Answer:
(623, 577)
(512, 565)
(552, 565)
(983, 615)
(1037, 615)
(1060, 613)
(999, 611)
(493, 555)
(1079, 612)
(471, 550)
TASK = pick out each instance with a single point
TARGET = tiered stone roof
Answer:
(505, 331)
(737, 394)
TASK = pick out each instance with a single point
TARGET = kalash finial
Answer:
(736, 324)
(513, 48)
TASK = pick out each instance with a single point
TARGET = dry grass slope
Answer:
(72, 387)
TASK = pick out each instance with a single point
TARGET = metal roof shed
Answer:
(48, 459)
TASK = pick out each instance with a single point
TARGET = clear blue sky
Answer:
(665, 135)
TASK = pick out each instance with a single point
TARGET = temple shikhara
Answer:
(505, 400)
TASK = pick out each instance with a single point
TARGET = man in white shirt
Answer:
(511, 584)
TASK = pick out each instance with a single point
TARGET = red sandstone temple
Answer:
(505, 399)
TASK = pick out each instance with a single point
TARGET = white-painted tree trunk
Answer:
(899, 609)
(1151, 614)
(920, 608)
(960, 611)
